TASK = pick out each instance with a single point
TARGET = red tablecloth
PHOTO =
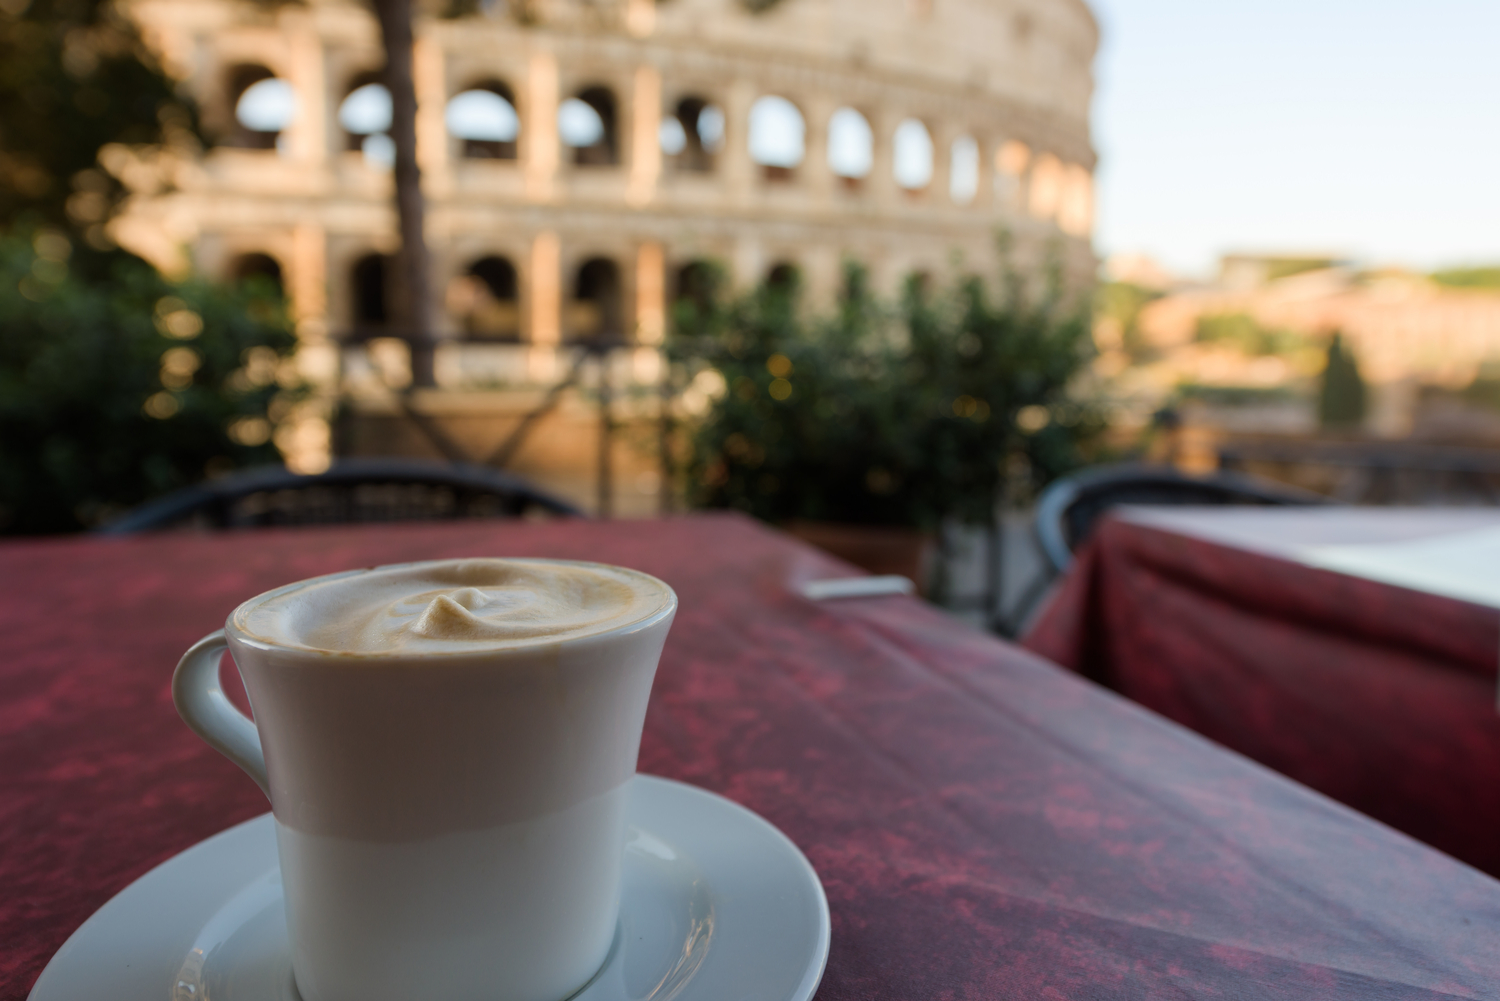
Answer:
(986, 825)
(1379, 696)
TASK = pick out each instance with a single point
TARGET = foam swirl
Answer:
(453, 606)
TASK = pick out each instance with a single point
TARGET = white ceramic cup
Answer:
(451, 825)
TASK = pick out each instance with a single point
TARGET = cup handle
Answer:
(207, 711)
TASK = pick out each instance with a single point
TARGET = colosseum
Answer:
(579, 157)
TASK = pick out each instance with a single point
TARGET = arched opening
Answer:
(484, 117)
(485, 300)
(365, 115)
(777, 137)
(963, 170)
(912, 155)
(851, 147)
(784, 278)
(587, 124)
(594, 313)
(693, 134)
(257, 269)
(371, 296)
(264, 105)
(695, 290)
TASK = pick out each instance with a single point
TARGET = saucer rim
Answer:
(59, 963)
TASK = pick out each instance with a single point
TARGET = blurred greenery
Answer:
(120, 387)
(116, 384)
(1121, 303)
(1342, 395)
(1485, 278)
(878, 414)
(1244, 332)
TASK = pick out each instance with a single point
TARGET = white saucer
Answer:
(717, 904)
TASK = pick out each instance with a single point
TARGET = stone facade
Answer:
(596, 235)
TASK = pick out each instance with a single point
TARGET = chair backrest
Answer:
(351, 491)
(1068, 509)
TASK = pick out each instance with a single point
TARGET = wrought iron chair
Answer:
(1069, 508)
(351, 491)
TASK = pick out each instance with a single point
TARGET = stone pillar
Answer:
(1012, 159)
(645, 144)
(545, 299)
(539, 149)
(739, 172)
(939, 189)
(307, 135)
(817, 178)
(884, 192)
(650, 294)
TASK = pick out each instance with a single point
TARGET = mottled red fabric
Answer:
(986, 824)
(1381, 697)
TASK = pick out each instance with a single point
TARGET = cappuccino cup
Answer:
(447, 748)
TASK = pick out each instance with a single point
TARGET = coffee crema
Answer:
(453, 606)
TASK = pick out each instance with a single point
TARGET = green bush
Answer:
(124, 386)
(875, 415)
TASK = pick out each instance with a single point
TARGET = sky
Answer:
(1362, 128)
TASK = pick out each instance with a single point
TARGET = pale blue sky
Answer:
(1364, 127)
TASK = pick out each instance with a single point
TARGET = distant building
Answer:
(581, 157)
(1406, 332)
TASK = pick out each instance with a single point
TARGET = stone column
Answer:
(308, 133)
(738, 171)
(650, 294)
(645, 145)
(815, 174)
(884, 192)
(539, 149)
(544, 326)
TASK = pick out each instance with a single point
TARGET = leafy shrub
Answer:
(874, 415)
(124, 386)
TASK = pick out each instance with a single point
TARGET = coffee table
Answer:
(985, 823)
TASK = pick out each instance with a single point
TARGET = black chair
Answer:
(1069, 508)
(351, 491)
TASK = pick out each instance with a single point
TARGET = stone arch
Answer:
(261, 104)
(595, 313)
(257, 267)
(784, 277)
(370, 295)
(693, 134)
(588, 123)
(851, 147)
(486, 120)
(912, 156)
(365, 115)
(778, 137)
(696, 285)
(485, 299)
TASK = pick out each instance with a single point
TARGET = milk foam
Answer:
(453, 606)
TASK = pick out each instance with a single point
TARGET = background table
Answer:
(1381, 696)
(986, 825)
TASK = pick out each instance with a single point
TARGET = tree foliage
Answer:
(74, 77)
